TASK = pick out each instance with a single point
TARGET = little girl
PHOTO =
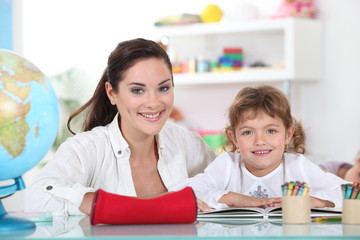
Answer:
(267, 147)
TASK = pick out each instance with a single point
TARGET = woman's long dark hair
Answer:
(98, 110)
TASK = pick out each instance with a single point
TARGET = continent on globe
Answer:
(13, 124)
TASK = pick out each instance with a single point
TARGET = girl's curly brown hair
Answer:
(250, 101)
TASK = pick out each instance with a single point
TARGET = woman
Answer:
(128, 147)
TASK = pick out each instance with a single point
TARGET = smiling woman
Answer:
(128, 147)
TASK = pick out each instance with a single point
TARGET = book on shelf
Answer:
(178, 19)
(264, 213)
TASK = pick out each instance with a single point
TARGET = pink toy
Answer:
(295, 8)
(287, 8)
(305, 9)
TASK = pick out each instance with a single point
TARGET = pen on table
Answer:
(326, 219)
(343, 190)
(296, 189)
(354, 192)
(301, 189)
(306, 190)
(348, 191)
(358, 196)
(290, 188)
(284, 189)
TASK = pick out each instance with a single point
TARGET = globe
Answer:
(29, 119)
(29, 115)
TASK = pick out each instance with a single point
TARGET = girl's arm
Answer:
(210, 185)
(320, 203)
(239, 200)
(325, 187)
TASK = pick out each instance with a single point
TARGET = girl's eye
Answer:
(137, 90)
(271, 131)
(246, 133)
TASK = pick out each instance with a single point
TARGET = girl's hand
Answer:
(275, 202)
(202, 206)
(239, 200)
(320, 203)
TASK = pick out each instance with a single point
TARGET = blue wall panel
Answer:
(6, 25)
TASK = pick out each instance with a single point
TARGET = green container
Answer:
(216, 141)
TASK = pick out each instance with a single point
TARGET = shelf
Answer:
(268, 75)
(229, 27)
(294, 43)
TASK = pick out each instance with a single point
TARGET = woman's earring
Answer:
(237, 150)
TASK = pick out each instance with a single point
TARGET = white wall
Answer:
(60, 34)
(330, 109)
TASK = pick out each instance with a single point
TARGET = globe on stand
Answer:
(29, 119)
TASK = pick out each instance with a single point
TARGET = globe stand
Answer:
(9, 225)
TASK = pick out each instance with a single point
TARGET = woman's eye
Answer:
(164, 88)
(137, 90)
(272, 131)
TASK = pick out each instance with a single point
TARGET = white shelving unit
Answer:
(294, 44)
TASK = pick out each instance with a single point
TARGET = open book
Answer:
(265, 213)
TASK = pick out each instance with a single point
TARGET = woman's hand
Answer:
(85, 206)
(239, 200)
(320, 203)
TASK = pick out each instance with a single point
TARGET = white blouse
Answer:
(100, 159)
(227, 173)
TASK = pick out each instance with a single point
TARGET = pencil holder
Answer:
(296, 209)
(351, 211)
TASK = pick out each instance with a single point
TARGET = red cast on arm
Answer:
(173, 207)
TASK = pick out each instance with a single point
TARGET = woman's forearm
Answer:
(85, 206)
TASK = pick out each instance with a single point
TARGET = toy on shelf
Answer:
(305, 9)
(287, 8)
(295, 8)
(211, 13)
(178, 19)
(230, 60)
(217, 140)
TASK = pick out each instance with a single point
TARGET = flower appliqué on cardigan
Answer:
(259, 193)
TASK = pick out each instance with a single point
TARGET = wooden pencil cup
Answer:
(351, 211)
(296, 209)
